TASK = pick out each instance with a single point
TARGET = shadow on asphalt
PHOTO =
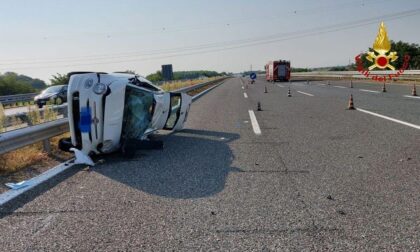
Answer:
(193, 164)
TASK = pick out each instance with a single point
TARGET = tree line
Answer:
(13, 83)
(184, 75)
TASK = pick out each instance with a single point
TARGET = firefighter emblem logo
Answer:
(381, 57)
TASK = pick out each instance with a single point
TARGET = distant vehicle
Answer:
(55, 94)
(277, 70)
(116, 111)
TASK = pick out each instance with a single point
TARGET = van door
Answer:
(179, 107)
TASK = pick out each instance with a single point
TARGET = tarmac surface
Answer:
(318, 177)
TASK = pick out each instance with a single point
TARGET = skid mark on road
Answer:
(254, 122)
(389, 118)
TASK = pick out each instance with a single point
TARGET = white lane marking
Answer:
(320, 84)
(33, 182)
(410, 96)
(339, 87)
(243, 87)
(254, 123)
(280, 85)
(245, 95)
(367, 90)
(305, 93)
(389, 118)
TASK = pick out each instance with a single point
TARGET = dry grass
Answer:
(32, 154)
(173, 85)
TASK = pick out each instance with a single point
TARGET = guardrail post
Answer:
(65, 111)
(46, 145)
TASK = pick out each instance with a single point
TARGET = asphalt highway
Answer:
(302, 174)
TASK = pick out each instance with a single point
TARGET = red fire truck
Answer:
(277, 70)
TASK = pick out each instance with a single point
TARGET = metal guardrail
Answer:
(16, 139)
(23, 116)
(11, 99)
(197, 86)
(407, 75)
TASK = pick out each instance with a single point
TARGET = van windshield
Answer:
(137, 112)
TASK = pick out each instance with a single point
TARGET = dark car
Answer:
(54, 94)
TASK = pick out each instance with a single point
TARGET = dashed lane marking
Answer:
(254, 123)
(410, 96)
(245, 95)
(305, 93)
(389, 118)
(367, 90)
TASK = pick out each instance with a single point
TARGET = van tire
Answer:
(65, 144)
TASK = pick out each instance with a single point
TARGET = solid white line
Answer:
(339, 87)
(245, 95)
(367, 90)
(280, 85)
(410, 96)
(254, 123)
(305, 93)
(389, 118)
(11, 194)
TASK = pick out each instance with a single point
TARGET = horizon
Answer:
(193, 36)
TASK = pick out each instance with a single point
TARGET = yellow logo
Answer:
(381, 59)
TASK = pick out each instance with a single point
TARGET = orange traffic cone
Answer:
(384, 88)
(289, 94)
(259, 106)
(413, 91)
(351, 105)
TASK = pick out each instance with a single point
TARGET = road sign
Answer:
(253, 76)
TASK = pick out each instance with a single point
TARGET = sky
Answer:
(44, 37)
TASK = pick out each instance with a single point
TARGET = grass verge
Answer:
(29, 161)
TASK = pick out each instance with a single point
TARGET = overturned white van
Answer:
(117, 111)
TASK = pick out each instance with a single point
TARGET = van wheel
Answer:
(65, 144)
(58, 101)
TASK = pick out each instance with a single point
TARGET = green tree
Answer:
(402, 49)
(10, 84)
(59, 79)
(155, 77)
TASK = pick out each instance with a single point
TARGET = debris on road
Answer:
(19, 185)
